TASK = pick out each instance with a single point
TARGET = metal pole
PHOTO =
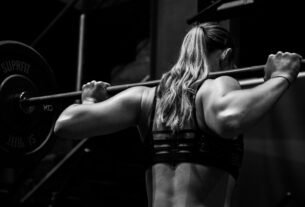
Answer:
(81, 49)
(65, 9)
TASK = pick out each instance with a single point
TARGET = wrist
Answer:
(282, 77)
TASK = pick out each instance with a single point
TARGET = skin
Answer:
(221, 106)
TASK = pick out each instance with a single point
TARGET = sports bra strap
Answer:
(152, 115)
(194, 93)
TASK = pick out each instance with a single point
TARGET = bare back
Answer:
(184, 184)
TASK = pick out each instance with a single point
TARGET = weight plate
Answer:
(24, 130)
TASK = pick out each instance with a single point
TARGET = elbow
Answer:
(63, 128)
(230, 124)
(70, 123)
(60, 129)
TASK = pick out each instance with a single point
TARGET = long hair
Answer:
(174, 106)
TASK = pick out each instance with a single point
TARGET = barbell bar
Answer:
(27, 95)
(250, 76)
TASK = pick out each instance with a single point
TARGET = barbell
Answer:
(27, 99)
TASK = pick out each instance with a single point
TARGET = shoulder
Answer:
(140, 95)
(133, 93)
(142, 91)
(221, 84)
(227, 81)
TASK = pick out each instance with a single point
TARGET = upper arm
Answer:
(120, 111)
(215, 104)
(230, 111)
(116, 113)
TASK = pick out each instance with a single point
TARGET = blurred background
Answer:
(128, 41)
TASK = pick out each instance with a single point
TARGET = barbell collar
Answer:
(247, 76)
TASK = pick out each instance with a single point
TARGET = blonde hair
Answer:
(174, 106)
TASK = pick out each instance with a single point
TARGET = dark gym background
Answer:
(136, 40)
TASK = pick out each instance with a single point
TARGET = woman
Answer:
(191, 126)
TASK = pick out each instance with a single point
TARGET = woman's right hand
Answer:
(94, 92)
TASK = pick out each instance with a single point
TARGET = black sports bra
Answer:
(193, 145)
